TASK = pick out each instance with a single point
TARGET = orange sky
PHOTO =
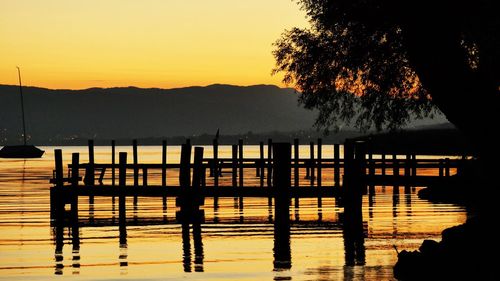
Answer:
(146, 43)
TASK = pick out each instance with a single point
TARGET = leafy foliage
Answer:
(350, 70)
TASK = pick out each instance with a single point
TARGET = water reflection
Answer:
(29, 249)
(73, 233)
(187, 260)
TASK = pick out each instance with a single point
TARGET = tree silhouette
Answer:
(380, 62)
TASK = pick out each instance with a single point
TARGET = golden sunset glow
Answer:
(150, 43)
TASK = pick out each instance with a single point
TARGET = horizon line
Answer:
(149, 88)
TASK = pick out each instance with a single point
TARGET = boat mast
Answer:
(22, 103)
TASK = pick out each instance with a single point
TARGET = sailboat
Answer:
(25, 150)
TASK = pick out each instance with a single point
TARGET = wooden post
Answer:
(136, 168)
(90, 174)
(441, 168)
(234, 161)
(75, 166)
(348, 164)
(395, 165)
(383, 164)
(198, 167)
(414, 165)
(240, 161)
(56, 198)
(358, 182)
(185, 169)
(408, 166)
(395, 171)
(355, 165)
(371, 172)
(408, 174)
(371, 162)
(269, 162)
(164, 163)
(353, 215)
(215, 168)
(59, 167)
(281, 189)
(262, 166)
(296, 162)
(447, 167)
(311, 163)
(122, 182)
(113, 162)
(336, 171)
(320, 147)
(145, 176)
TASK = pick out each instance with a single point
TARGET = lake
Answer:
(236, 241)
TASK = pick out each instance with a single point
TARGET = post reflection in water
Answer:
(58, 255)
(123, 256)
(282, 251)
(75, 241)
(187, 260)
(58, 236)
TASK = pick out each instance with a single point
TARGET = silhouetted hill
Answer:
(130, 112)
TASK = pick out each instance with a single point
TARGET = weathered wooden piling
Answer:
(262, 161)
(395, 172)
(144, 176)
(122, 182)
(58, 168)
(281, 189)
(113, 162)
(311, 163)
(185, 170)
(320, 148)
(240, 162)
(447, 167)
(354, 174)
(395, 165)
(215, 167)
(413, 165)
(56, 199)
(408, 170)
(336, 163)
(371, 172)
(135, 161)
(90, 173)
(198, 170)
(296, 155)
(75, 178)
(234, 163)
(296, 162)
(382, 163)
(164, 163)
(189, 199)
(269, 162)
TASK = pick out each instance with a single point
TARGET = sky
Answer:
(74, 44)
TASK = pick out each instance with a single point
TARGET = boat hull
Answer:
(21, 151)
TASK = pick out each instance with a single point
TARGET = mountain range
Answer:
(130, 112)
(61, 116)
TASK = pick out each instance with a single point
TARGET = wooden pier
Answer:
(278, 176)
(201, 178)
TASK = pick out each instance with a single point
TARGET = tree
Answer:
(380, 62)
(389, 59)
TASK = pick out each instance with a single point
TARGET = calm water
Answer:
(236, 241)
